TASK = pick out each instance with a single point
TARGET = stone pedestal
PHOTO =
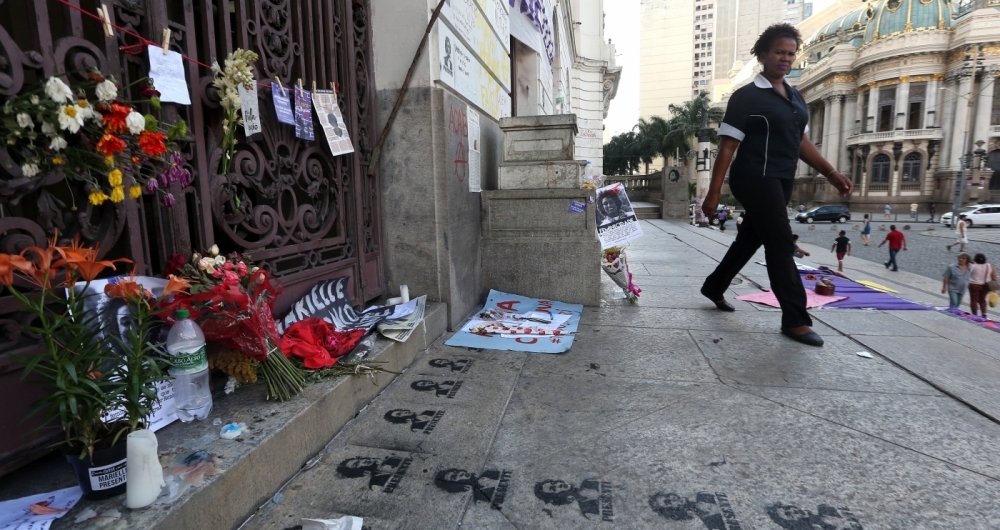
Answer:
(533, 245)
(542, 175)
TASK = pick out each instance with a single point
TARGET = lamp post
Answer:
(970, 68)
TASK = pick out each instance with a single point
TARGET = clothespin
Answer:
(300, 83)
(283, 92)
(314, 86)
(105, 20)
(333, 87)
(166, 41)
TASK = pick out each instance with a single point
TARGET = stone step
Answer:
(646, 210)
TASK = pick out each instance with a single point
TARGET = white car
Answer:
(978, 215)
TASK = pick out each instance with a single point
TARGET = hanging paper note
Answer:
(475, 154)
(251, 114)
(303, 115)
(332, 121)
(282, 106)
(167, 73)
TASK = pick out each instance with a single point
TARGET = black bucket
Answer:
(103, 477)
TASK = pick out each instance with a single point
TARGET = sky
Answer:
(622, 27)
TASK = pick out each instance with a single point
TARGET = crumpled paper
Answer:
(344, 523)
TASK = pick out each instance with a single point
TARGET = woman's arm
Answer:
(727, 148)
(810, 155)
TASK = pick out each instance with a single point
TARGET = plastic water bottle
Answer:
(588, 172)
(189, 368)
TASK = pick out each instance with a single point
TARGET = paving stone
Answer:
(745, 319)
(774, 360)
(859, 322)
(955, 329)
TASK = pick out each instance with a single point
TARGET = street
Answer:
(671, 414)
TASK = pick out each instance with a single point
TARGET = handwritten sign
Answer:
(251, 114)
(303, 115)
(332, 122)
(475, 154)
(282, 104)
(167, 73)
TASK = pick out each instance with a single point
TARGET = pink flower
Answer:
(228, 266)
(230, 278)
(241, 268)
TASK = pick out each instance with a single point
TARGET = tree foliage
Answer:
(657, 137)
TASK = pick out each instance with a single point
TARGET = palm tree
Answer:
(620, 154)
(688, 118)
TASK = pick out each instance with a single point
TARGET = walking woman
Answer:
(956, 279)
(866, 230)
(980, 273)
(767, 119)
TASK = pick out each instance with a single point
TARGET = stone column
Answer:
(847, 129)
(946, 109)
(835, 104)
(813, 124)
(931, 118)
(961, 120)
(824, 133)
(902, 102)
(871, 123)
(984, 107)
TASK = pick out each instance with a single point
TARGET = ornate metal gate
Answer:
(303, 214)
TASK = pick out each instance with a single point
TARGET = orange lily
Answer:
(126, 288)
(90, 269)
(9, 262)
(76, 251)
(43, 270)
(175, 284)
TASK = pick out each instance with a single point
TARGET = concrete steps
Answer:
(646, 210)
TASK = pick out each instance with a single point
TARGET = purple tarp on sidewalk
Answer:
(859, 296)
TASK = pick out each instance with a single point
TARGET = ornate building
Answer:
(897, 92)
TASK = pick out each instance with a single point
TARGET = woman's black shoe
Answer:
(722, 305)
(811, 338)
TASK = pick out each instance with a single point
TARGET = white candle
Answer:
(394, 301)
(142, 465)
(404, 293)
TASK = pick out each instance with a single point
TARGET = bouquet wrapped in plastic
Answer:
(616, 267)
(232, 301)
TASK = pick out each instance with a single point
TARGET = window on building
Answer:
(710, 15)
(911, 168)
(915, 112)
(859, 167)
(704, 82)
(710, 34)
(880, 169)
(886, 109)
(710, 45)
(995, 115)
(697, 26)
(697, 8)
(696, 74)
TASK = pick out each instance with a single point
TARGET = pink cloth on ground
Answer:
(812, 299)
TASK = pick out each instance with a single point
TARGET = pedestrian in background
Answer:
(980, 273)
(798, 252)
(897, 242)
(739, 223)
(843, 247)
(913, 212)
(766, 120)
(956, 279)
(888, 210)
(723, 217)
(960, 233)
(866, 230)
(933, 211)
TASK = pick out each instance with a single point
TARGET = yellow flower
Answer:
(97, 197)
(57, 160)
(115, 179)
(70, 111)
(135, 191)
(109, 161)
(117, 194)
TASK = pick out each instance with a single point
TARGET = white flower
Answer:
(29, 170)
(58, 144)
(136, 122)
(220, 261)
(33, 99)
(48, 128)
(23, 120)
(86, 112)
(70, 118)
(57, 90)
(107, 91)
(214, 250)
(207, 264)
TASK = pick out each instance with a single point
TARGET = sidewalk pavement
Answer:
(671, 414)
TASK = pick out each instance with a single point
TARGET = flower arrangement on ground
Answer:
(615, 265)
(92, 134)
(232, 300)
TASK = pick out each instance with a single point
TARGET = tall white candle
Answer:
(142, 465)
(404, 293)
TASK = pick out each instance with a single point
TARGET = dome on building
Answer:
(894, 17)
(848, 23)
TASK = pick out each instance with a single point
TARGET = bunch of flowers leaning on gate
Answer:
(92, 134)
(232, 300)
(228, 79)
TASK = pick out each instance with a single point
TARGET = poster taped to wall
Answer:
(475, 155)
(332, 122)
(616, 220)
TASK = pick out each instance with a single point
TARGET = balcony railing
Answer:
(640, 187)
(878, 186)
(909, 186)
(898, 136)
(994, 130)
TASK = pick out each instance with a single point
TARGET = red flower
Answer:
(148, 91)
(114, 119)
(175, 263)
(153, 143)
(111, 145)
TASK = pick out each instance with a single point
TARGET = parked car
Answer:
(835, 213)
(977, 215)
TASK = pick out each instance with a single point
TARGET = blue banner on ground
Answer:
(559, 342)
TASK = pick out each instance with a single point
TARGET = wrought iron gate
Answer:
(303, 214)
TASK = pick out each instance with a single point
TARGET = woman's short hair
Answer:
(773, 33)
(980, 258)
(614, 197)
(968, 259)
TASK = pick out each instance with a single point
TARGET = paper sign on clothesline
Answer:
(251, 114)
(332, 122)
(282, 104)
(303, 115)
(167, 73)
